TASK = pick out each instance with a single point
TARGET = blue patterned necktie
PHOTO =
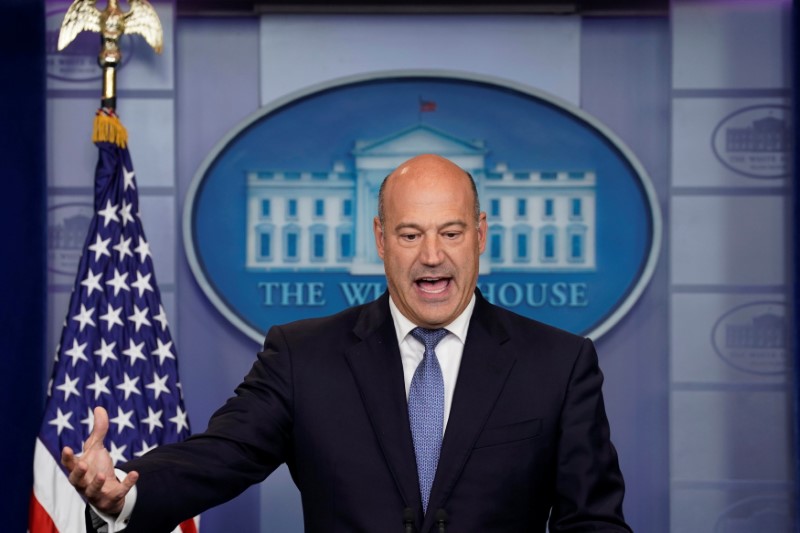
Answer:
(426, 410)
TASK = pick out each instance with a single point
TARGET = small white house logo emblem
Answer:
(67, 225)
(755, 141)
(574, 227)
(753, 337)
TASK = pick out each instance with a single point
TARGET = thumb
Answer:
(100, 428)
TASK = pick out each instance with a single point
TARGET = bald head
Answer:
(426, 164)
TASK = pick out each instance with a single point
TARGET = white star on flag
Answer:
(122, 420)
(161, 317)
(109, 214)
(100, 248)
(61, 421)
(76, 352)
(153, 419)
(118, 282)
(112, 317)
(129, 385)
(134, 351)
(127, 177)
(139, 317)
(125, 213)
(123, 248)
(117, 453)
(99, 385)
(142, 283)
(158, 385)
(106, 351)
(180, 419)
(69, 387)
(163, 351)
(143, 249)
(92, 282)
(84, 317)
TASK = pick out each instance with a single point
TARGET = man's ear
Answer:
(483, 228)
(377, 229)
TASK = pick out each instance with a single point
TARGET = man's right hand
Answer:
(92, 473)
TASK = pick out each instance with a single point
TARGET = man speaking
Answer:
(429, 409)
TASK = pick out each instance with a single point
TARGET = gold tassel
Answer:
(108, 128)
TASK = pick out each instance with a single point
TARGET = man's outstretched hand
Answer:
(92, 474)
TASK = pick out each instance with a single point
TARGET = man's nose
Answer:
(431, 253)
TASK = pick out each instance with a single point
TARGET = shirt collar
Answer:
(458, 327)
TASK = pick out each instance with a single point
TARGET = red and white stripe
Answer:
(55, 506)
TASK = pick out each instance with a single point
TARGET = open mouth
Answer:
(433, 285)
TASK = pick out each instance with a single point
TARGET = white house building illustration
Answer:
(768, 134)
(539, 219)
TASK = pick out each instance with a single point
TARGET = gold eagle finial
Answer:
(111, 23)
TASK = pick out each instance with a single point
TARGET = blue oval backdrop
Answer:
(278, 219)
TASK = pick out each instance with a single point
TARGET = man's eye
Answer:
(409, 237)
(451, 234)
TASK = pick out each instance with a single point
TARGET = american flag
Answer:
(115, 351)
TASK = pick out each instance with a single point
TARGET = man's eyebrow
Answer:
(413, 225)
(460, 223)
(407, 225)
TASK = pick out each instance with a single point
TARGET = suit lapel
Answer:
(485, 365)
(376, 365)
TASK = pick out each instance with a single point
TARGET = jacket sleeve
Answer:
(589, 484)
(246, 440)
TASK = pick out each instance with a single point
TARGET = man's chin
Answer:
(435, 315)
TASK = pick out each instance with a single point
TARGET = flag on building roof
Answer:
(426, 106)
(116, 350)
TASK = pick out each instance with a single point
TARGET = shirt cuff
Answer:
(120, 522)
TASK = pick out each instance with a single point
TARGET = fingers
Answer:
(77, 469)
(77, 475)
(108, 494)
(130, 480)
(68, 458)
(95, 487)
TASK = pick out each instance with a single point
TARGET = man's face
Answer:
(430, 242)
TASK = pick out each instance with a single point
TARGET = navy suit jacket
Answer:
(527, 439)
